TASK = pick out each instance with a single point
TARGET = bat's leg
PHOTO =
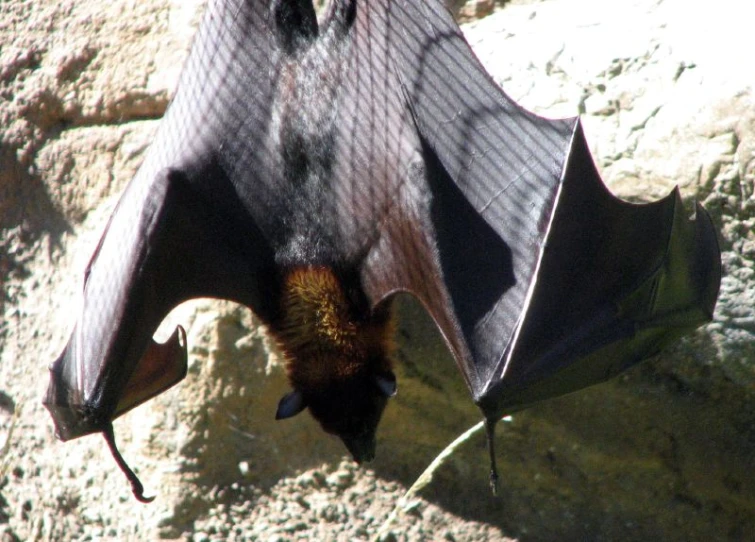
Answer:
(136, 486)
(490, 434)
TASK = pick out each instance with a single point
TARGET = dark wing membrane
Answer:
(540, 280)
(174, 234)
(617, 282)
(159, 250)
(493, 171)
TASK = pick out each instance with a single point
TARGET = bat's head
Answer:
(338, 356)
(349, 409)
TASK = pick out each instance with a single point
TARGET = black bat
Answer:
(311, 170)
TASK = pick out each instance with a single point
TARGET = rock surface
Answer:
(666, 452)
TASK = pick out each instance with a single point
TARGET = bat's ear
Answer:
(386, 383)
(290, 405)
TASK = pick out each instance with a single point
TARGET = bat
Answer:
(311, 170)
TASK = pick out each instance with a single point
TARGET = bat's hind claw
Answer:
(490, 435)
(136, 486)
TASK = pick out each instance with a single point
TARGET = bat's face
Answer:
(354, 411)
(350, 409)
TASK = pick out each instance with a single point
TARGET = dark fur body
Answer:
(334, 343)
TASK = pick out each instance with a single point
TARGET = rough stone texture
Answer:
(666, 452)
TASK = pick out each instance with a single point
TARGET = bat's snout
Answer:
(362, 448)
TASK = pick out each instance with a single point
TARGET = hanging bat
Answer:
(312, 170)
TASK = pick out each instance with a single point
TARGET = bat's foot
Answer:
(136, 486)
(490, 434)
(494, 480)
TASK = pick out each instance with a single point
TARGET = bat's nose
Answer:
(362, 448)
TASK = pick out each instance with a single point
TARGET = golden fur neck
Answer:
(323, 335)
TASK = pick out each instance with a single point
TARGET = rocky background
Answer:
(666, 452)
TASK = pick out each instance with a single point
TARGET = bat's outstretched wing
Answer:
(539, 279)
(176, 232)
